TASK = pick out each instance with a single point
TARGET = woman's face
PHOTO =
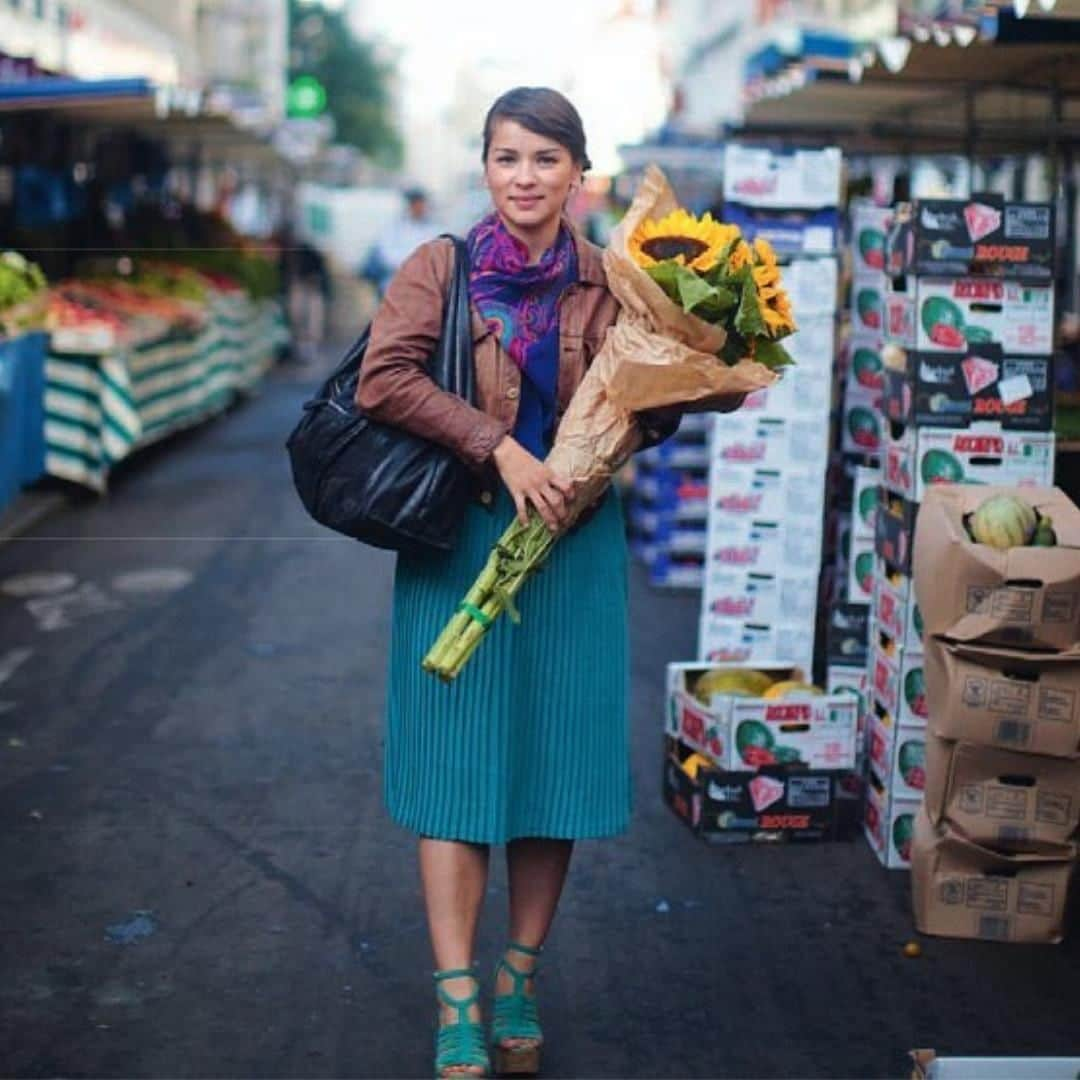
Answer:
(529, 176)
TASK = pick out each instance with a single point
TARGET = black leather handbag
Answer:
(380, 484)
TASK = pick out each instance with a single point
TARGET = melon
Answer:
(1044, 534)
(913, 762)
(872, 248)
(790, 688)
(1003, 521)
(740, 682)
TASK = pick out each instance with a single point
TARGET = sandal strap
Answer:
(460, 1003)
(461, 1044)
(515, 1014)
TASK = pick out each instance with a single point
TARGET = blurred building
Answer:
(708, 45)
(236, 49)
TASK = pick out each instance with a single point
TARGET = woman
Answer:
(529, 747)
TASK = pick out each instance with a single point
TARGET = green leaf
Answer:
(664, 274)
(772, 354)
(691, 291)
(748, 319)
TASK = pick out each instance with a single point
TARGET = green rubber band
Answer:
(476, 614)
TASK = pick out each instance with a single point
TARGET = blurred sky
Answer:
(569, 44)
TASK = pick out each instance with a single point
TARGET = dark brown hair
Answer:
(543, 112)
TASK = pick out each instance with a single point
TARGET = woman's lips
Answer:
(526, 201)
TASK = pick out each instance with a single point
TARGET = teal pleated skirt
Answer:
(532, 739)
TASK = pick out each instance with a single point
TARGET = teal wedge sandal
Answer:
(460, 1044)
(515, 1019)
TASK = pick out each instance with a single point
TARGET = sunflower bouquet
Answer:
(702, 313)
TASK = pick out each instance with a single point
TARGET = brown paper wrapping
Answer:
(655, 355)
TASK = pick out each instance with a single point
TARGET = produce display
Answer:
(22, 294)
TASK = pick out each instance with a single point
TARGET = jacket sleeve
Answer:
(395, 387)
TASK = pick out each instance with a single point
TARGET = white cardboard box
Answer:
(771, 442)
(760, 597)
(740, 641)
(860, 586)
(792, 494)
(981, 454)
(758, 176)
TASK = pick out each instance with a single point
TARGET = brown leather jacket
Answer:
(396, 389)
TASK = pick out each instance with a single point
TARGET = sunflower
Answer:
(740, 256)
(681, 238)
(775, 302)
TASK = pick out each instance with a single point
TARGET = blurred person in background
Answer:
(305, 282)
(400, 239)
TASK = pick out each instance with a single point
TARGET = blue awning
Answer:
(61, 93)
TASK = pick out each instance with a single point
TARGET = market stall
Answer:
(160, 311)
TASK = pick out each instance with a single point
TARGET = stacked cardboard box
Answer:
(996, 841)
(966, 398)
(768, 460)
(740, 768)
(668, 506)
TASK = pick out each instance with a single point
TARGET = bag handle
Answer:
(452, 366)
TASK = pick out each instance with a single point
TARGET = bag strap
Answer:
(452, 366)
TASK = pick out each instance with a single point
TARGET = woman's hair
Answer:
(543, 112)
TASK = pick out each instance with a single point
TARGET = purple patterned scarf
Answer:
(518, 302)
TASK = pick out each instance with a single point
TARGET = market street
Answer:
(201, 880)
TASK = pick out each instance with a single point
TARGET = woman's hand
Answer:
(531, 482)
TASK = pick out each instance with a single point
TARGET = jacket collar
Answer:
(589, 257)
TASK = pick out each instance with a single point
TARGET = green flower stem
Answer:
(477, 596)
(517, 554)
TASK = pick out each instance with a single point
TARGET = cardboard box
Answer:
(771, 442)
(889, 824)
(798, 231)
(864, 501)
(1027, 596)
(848, 641)
(869, 233)
(895, 609)
(959, 889)
(670, 570)
(894, 537)
(929, 1065)
(955, 313)
(767, 805)
(901, 312)
(917, 459)
(813, 345)
(898, 681)
(863, 429)
(1024, 701)
(816, 731)
(897, 755)
(782, 179)
(740, 641)
(801, 392)
(761, 545)
(738, 491)
(812, 286)
(1003, 800)
(957, 389)
(705, 726)
(982, 235)
(860, 589)
(868, 306)
(761, 597)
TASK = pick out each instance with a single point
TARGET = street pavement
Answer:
(200, 879)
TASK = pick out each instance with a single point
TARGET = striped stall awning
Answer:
(99, 409)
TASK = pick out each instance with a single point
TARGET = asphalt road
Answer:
(200, 880)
